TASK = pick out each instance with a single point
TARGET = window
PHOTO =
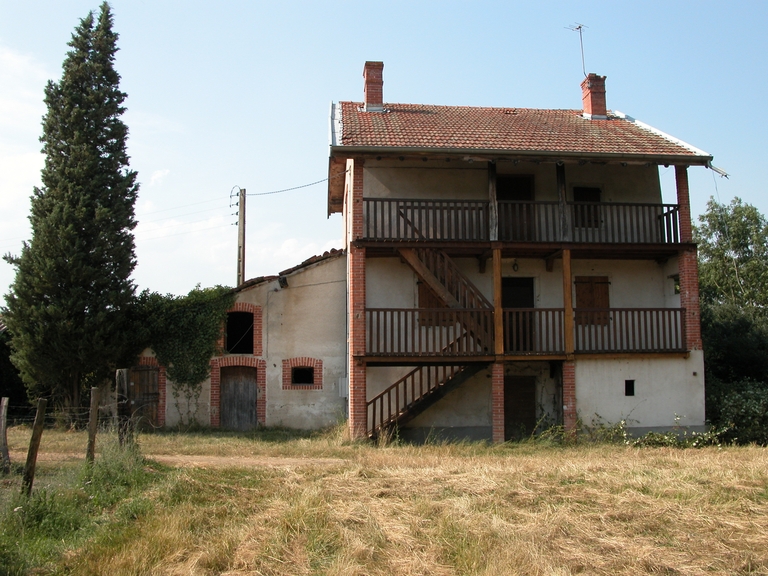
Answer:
(239, 335)
(586, 215)
(629, 387)
(303, 375)
(592, 300)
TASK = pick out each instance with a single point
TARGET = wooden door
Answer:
(519, 328)
(517, 221)
(519, 406)
(144, 395)
(238, 398)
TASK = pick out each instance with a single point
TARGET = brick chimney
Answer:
(373, 92)
(593, 97)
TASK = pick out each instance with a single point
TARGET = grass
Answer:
(527, 508)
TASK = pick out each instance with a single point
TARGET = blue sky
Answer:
(237, 94)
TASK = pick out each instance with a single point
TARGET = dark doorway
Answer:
(515, 194)
(519, 324)
(144, 395)
(239, 333)
(519, 406)
(238, 398)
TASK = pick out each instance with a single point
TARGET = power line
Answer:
(298, 187)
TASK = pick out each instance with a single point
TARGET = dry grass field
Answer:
(277, 503)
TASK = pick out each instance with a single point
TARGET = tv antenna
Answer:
(578, 28)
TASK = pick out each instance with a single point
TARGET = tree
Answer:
(70, 303)
(733, 255)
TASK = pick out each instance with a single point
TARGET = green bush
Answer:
(744, 410)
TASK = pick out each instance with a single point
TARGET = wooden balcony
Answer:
(393, 219)
(463, 333)
(619, 330)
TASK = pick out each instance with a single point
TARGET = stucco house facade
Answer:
(502, 268)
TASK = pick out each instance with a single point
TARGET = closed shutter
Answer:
(592, 292)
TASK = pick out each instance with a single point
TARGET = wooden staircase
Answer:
(424, 385)
(414, 393)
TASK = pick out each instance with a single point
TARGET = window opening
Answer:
(629, 387)
(239, 335)
(302, 375)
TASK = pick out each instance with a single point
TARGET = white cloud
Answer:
(158, 176)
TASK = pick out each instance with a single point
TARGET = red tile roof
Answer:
(523, 130)
(328, 255)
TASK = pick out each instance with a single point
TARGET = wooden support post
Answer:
(565, 227)
(93, 423)
(6, 457)
(34, 445)
(493, 206)
(568, 303)
(498, 311)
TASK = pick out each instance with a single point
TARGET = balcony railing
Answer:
(629, 330)
(535, 221)
(448, 220)
(534, 331)
(449, 332)
(429, 331)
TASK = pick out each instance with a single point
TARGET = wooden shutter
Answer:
(592, 292)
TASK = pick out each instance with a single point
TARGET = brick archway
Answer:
(261, 383)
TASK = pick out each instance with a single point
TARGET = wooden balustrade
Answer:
(619, 223)
(629, 330)
(534, 331)
(535, 221)
(530, 222)
(460, 287)
(446, 220)
(429, 331)
(527, 331)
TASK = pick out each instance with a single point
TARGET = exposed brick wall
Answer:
(684, 203)
(358, 415)
(261, 385)
(569, 396)
(162, 385)
(257, 325)
(373, 90)
(303, 362)
(688, 268)
(497, 401)
(593, 95)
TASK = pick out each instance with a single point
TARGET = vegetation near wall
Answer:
(733, 278)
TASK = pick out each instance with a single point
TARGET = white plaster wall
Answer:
(467, 405)
(633, 283)
(618, 183)
(457, 180)
(177, 408)
(664, 388)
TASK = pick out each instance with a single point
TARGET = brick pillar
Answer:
(162, 385)
(688, 266)
(215, 393)
(497, 401)
(358, 395)
(569, 395)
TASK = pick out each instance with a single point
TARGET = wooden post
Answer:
(565, 225)
(498, 311)
(34, 445)
(6, 465)
(493, 206)
(93, 423)
(241, 238)
(567, 304)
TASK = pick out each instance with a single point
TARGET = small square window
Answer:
(629, 387)
(303, 375)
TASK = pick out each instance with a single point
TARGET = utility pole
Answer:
(241, 238)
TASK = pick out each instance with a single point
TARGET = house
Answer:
(503, 268)
(508, 266)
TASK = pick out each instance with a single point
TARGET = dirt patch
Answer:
(197, 461)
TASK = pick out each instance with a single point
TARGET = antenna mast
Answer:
(578, 28)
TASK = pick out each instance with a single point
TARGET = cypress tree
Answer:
(70, 304)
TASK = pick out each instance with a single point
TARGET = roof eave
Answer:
(495, 154)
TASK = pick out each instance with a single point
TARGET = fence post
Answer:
(93, 422)
(34, 444)
(6, 457)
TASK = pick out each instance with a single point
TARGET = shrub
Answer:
(744, 410)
